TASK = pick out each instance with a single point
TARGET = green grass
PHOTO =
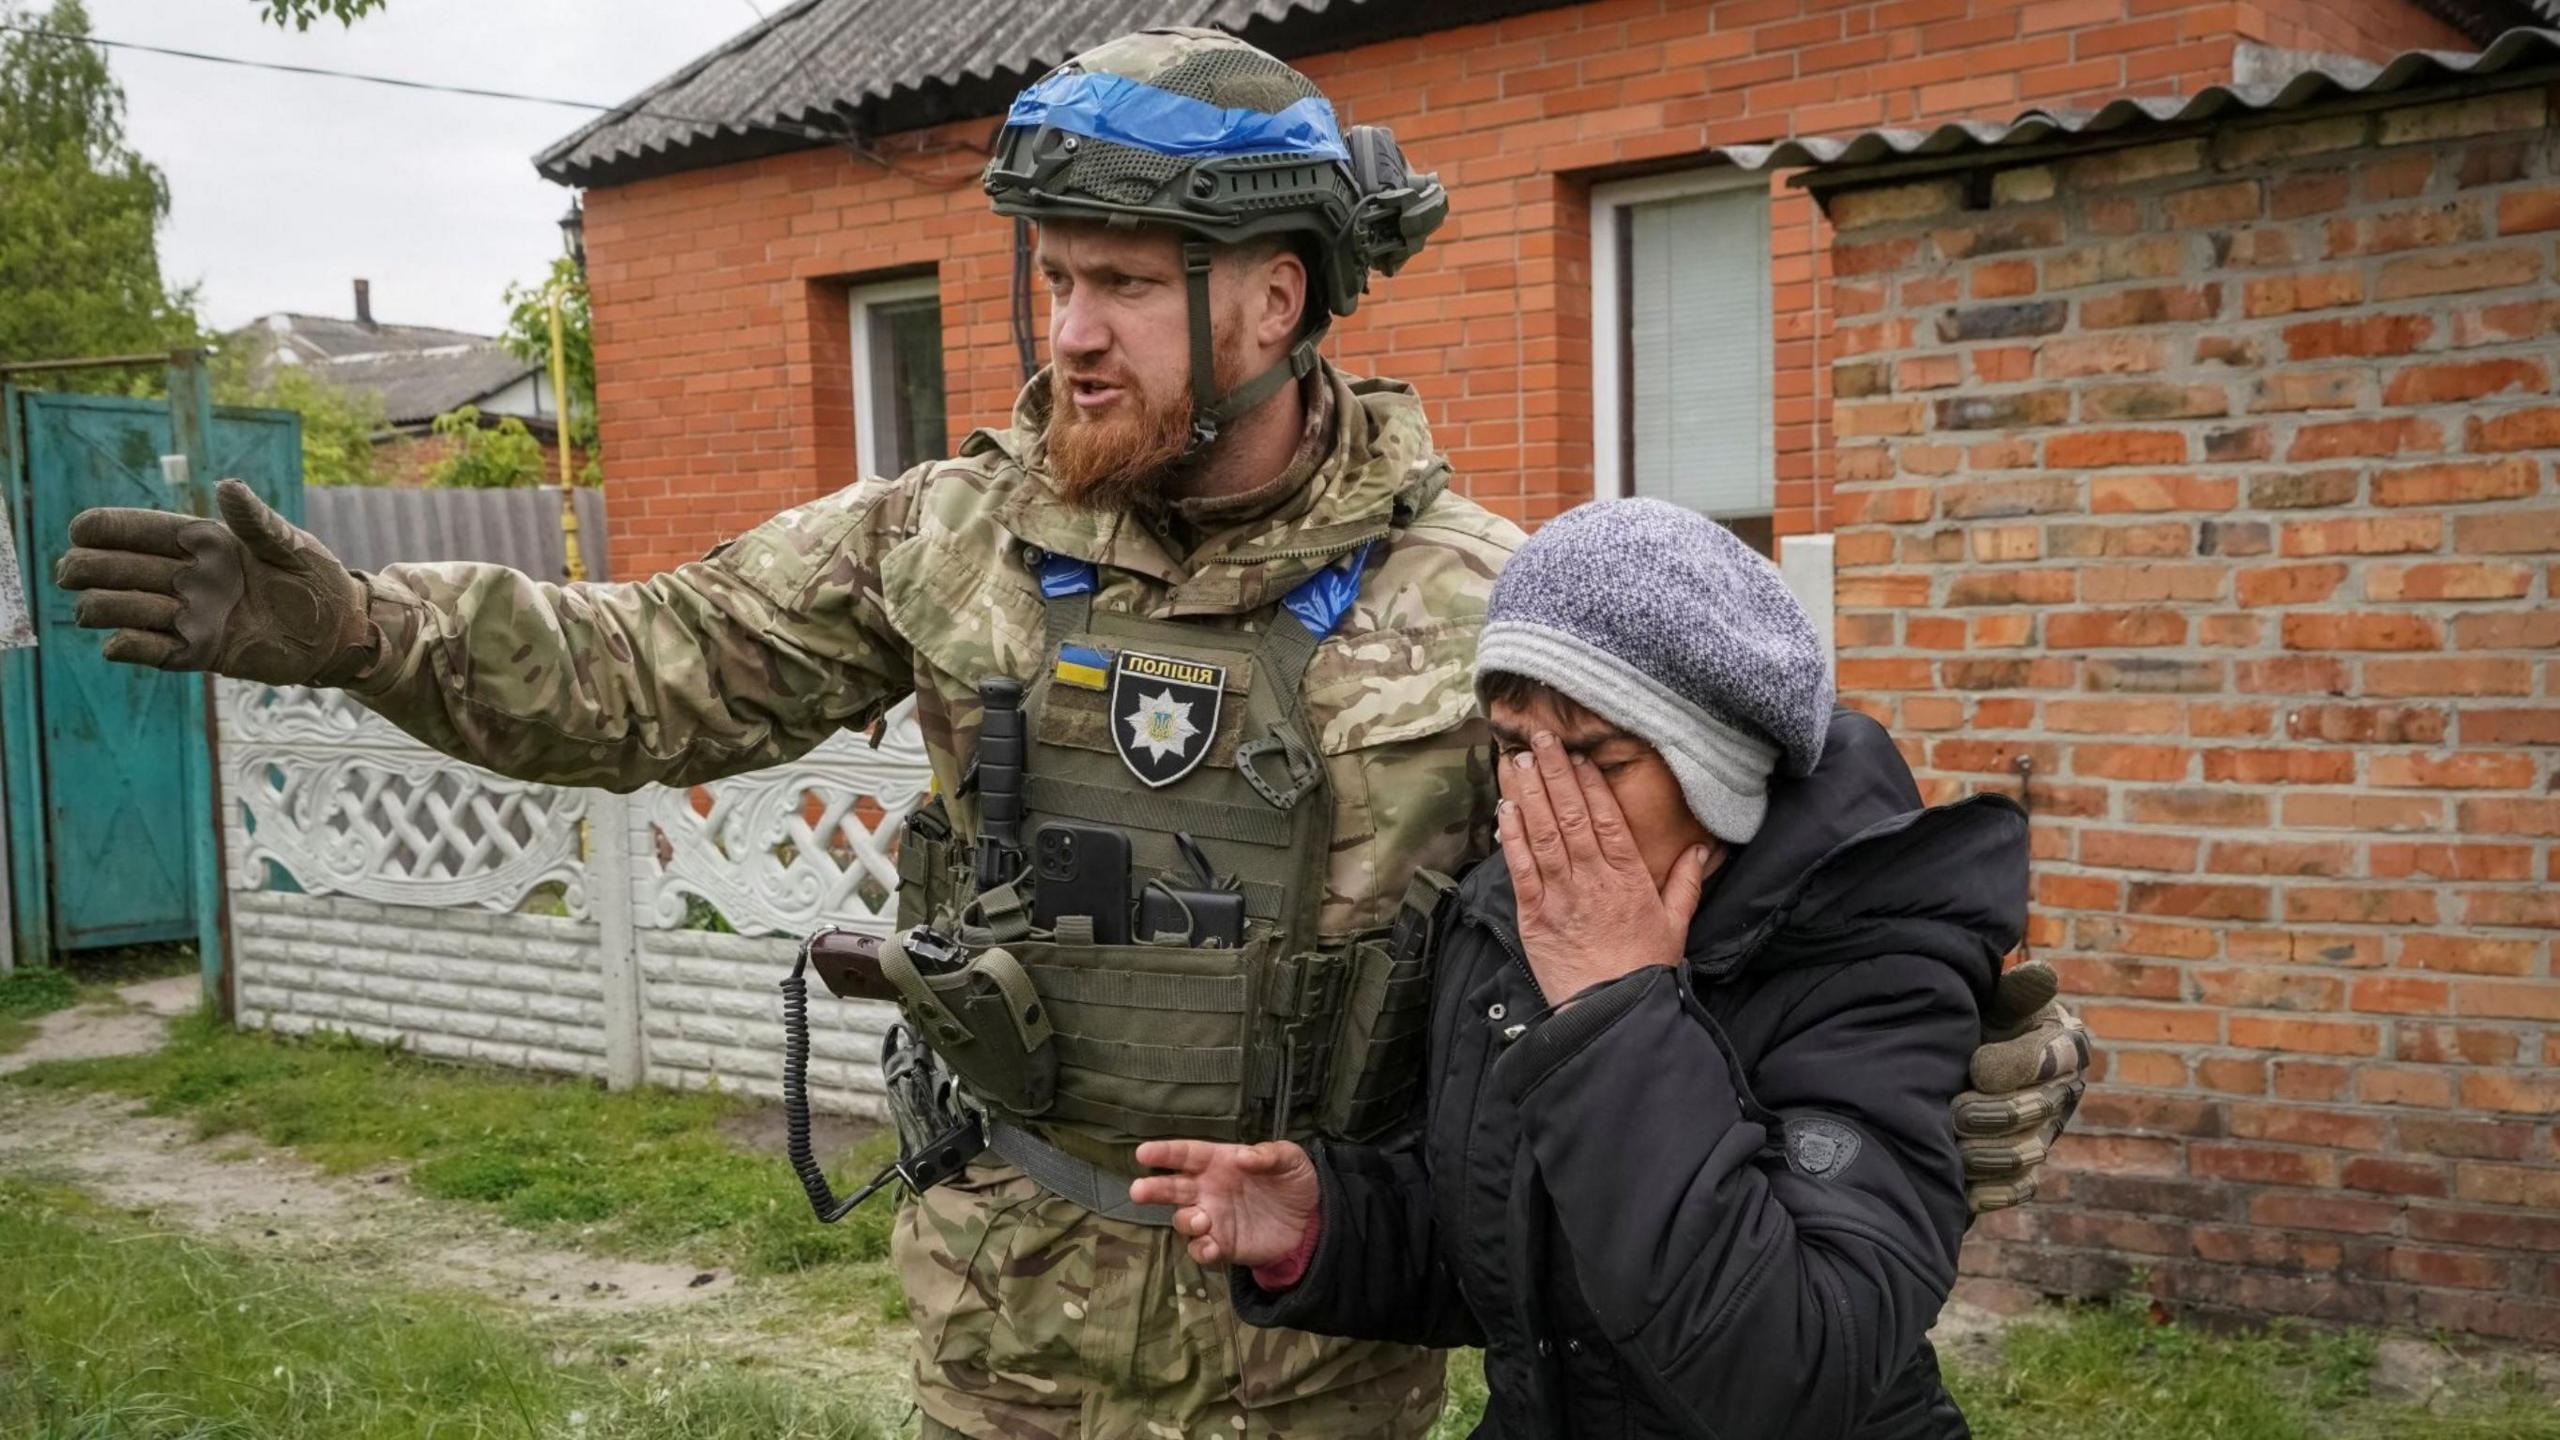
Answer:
(37, 990)
(636, 1173)
(650, 1173)
(2110, 1373)
(28, 993)
(33, 991)
(109, 1331)
(2099, 1372)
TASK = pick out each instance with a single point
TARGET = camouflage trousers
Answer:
(1039, 1320)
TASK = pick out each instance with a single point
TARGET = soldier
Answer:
(1243, 603)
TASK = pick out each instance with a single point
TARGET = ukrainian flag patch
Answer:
(1084, 667)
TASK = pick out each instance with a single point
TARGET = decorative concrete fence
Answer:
(381, 889)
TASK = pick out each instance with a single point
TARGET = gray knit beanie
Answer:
(1663, 623)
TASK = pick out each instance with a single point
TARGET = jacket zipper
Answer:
(1510, 947)
(1310, 552)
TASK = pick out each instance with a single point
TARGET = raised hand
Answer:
(1589, 910)
(1240, 1204)
(247, 595)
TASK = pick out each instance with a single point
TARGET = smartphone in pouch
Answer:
(1081, 870)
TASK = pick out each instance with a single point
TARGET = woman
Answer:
(1686, 1167)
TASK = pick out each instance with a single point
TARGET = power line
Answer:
(852, 143)
(800, 131)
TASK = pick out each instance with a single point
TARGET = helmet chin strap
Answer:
(1212, 412)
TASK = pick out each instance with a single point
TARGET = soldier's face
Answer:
(1120, 352)
(1648, 794)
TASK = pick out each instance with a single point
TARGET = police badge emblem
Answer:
(1164, 714)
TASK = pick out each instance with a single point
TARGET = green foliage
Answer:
(528, 337)
(338, 425)
(483, 457)
(701, 914)
(165, 1337)
(300, 13)
(528, 332)
(639, 1172)
(79, 253)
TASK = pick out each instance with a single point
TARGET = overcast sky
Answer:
(284, 188)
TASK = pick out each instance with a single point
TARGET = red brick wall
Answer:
(2371, 30)
(719, 295)
(2216, 478)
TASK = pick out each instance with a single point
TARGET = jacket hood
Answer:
(1848, 860)
(1849, 864)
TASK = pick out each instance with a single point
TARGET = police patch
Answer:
(1820, 1148)
(1164, 712)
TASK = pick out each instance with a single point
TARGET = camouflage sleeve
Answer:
(745, 658)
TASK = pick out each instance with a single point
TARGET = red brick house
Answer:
(2199, 478)
(740, 213)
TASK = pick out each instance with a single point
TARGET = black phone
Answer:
(1081, 870)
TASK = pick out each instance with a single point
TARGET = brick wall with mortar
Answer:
(2216, 478)
(527, 992)
(723, 345)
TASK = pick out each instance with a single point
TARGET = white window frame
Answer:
(871, 455)
(1609, 205)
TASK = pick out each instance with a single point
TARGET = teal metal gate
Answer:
(109, 768)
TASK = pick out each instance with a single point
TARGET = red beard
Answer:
(1113, 461)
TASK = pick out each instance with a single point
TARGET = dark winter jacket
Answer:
(1718, 1200)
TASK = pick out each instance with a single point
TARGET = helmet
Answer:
(1197, 130)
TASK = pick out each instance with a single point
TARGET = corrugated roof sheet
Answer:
(2485, 20)
(418, 371)
(418, 387)
(329, 337)
(821, 70)
(2515, 50)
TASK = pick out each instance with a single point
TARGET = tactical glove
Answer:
(248, 595)
(2027, 1080)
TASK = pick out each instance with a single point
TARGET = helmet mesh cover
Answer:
(1236, 79)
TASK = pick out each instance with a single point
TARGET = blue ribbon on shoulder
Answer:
(1322, 599)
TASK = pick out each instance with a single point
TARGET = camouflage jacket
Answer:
(827, 615)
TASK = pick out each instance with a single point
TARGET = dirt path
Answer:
(372, 1227)
(133, 1026)
(269, 1199)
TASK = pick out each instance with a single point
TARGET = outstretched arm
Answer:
(743, 659)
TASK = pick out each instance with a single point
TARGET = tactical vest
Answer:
(1100, 1046)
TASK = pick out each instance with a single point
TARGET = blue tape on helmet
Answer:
(1134, 113)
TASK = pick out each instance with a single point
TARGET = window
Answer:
(1681, 346)
(897, 375)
